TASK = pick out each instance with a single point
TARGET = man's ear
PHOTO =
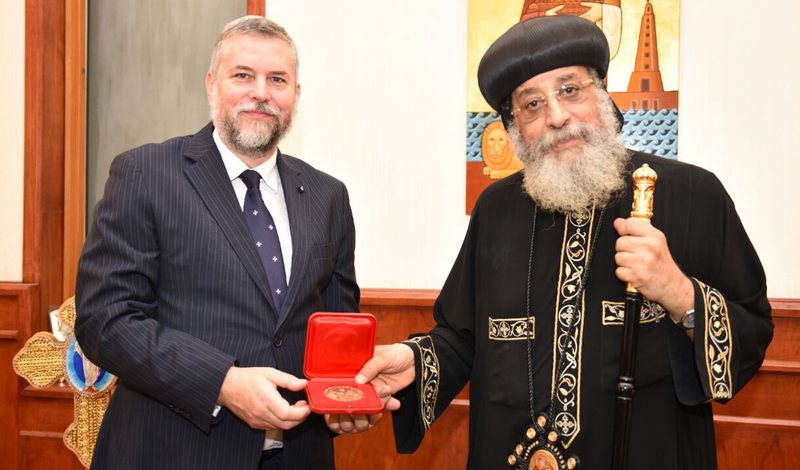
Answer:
(209, 85)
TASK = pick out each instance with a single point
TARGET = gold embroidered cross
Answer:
(44, 361)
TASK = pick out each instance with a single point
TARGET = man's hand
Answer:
(355, 423)
(251, 393)
(644, 260)
(390, 370)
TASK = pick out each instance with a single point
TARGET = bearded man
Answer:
(207, 255)
(531, 314)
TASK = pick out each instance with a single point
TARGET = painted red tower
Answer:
(645, 87)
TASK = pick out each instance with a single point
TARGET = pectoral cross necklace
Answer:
(540, 449)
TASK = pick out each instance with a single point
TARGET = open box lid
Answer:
(338, 344)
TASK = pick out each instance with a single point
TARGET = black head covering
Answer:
(536, 46)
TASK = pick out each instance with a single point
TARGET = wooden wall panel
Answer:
(45, 450)
(760, 428)
(257, 7)
(750, 445)
(771, 394)
(43, 222)
(16, 300)
(74, 139)
(43, 411)
(44, 415)
(786, 342)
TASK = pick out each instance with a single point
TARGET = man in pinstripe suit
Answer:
(172, 295)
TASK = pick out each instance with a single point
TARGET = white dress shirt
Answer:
(272, 193)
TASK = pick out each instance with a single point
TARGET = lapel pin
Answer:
(301, 189)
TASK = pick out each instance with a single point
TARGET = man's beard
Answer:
(255, 138)
(574, 179)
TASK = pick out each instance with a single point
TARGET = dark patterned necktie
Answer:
(265, 236)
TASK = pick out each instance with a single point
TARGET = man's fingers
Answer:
(346, 423)
(392, 404)
(282, 415)
(619, 226)
(374, 419)
(632, 226)
(294, 416)
(284, 380)
(333, 423)
(370, 370)
(360, 423)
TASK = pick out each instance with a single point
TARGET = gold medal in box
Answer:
(337, 346)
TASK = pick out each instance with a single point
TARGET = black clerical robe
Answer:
(482, 326)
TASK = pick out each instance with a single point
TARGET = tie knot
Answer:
(251, 179)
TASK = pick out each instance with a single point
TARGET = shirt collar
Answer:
(234, 166)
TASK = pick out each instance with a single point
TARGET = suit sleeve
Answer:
(342, 293)
(733, 324)
(118, 313)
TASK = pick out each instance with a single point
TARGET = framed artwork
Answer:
(643, 36)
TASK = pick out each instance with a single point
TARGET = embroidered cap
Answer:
(536, 46)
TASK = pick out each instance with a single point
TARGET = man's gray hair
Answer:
(251, 24)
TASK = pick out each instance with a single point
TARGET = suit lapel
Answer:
(297, 201)
(209, 178)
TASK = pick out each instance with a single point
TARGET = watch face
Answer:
(688, 320)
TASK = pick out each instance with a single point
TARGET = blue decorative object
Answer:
(74, 364)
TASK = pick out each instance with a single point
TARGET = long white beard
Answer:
(574, 179)
(255, 139)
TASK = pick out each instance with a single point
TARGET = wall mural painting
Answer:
(642, 78)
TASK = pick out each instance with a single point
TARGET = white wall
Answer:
(739, 101)
(383, 109)
(12, 118)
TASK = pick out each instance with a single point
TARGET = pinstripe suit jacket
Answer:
(171, 293)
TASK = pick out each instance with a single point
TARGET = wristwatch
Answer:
(687, 322)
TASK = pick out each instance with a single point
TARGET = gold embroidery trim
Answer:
(574, 254)
(429, 389)
(511, 329)
(614, 313)
(718, 342)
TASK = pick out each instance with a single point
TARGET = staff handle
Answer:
(644, 185)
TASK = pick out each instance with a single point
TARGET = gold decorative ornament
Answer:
(541, 450)
(45, 361)
(644, 188)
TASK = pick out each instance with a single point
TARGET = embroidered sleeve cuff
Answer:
(427, 379)
(713, 336)
(415, 415)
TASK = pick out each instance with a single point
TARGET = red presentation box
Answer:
(337, 346)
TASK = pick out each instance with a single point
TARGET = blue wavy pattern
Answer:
(476, 123)
(650, 131)
(653, 132)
